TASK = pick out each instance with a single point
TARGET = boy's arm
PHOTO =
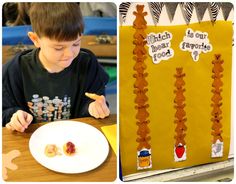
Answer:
(12, 91)
(10, 109)
(7, 114)
(95, 83)
(8, 106)
(98, 88)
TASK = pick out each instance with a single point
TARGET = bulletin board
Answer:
(175, 94)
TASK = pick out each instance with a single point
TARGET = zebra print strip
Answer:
(214, 10)
(187, 11)
(187, 8)
(201, 9)
(156, 10)
(171, 8)
(124, 9)
(226, 8)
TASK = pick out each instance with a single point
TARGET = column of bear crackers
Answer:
(180, 119)
(140, 88)
(217, 145)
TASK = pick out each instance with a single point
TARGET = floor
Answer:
(224, 175)
(212, 172)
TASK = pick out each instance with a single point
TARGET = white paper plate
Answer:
(91, 145)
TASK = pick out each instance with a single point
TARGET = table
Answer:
(30, 170)
(88, 42)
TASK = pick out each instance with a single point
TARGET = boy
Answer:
(49, 83)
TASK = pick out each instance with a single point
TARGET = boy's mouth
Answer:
(66, 60)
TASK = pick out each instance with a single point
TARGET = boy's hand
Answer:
(98, 108)
(20, 120)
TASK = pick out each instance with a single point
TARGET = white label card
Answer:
(160, 46)
(196, 42)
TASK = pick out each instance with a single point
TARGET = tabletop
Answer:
(30, 170)
(88, 42)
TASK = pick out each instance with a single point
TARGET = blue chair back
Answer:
(93, 26)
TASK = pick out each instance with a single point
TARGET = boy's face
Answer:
(56, 56)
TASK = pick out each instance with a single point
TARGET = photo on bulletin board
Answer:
(175, 85)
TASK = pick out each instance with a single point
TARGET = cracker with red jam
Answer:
(69, 149)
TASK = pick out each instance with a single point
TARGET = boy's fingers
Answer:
(19, 121)
(102, 109)
(93, 96)
(29, 119)
(91, 110)
(99, 110)
(14, 124)
(95, 112)
(9, 127)
(17, 126)
(106, 110)
(102, 103)
(21, 118)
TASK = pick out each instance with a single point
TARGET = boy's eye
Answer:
(76, 45)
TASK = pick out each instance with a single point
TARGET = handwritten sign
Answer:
(160, 46)
(195, 42)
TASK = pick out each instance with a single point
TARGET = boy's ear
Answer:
(34, 38)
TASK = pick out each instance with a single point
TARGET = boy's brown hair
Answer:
(58, 21)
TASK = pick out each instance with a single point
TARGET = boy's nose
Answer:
(68, 53)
